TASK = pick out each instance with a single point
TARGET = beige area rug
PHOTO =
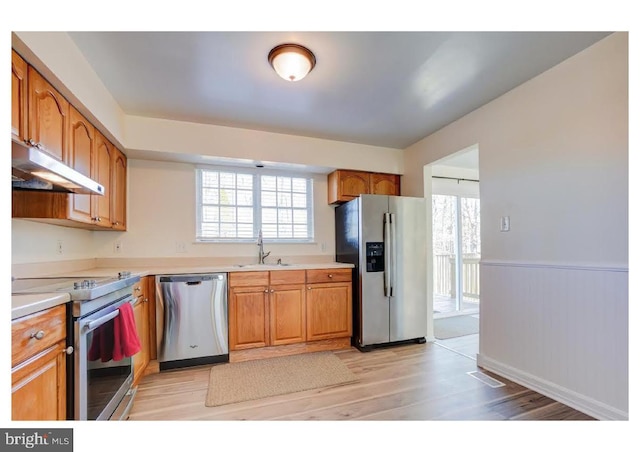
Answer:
(460, 325)
(250, 380)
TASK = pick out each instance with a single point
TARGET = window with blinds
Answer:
(234, 205)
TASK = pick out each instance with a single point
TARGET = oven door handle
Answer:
(102, 320)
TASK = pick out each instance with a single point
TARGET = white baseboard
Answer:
(570, 398)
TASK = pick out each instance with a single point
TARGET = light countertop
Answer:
(26, 304)
(22, 305)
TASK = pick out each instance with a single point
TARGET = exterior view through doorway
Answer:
(456, 255)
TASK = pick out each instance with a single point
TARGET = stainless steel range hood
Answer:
(35, 169)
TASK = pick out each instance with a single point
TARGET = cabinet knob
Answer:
(330, 275)
(115, 223)
(266, 290)
(146, 300)
(309, 288)
(272, 290)
(39, 335)
(68, 350)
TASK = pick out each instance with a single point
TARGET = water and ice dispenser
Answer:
(375, 256)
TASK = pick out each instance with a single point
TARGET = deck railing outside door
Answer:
(444, 275)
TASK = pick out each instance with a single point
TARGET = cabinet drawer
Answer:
(248, 279)
(49, 324)
(287, 277)
(326, 275)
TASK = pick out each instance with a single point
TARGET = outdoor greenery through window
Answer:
(234, 205)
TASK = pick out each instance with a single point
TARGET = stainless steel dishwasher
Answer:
(191, 320)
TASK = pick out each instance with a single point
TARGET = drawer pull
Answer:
(68, 350)
(39, 335)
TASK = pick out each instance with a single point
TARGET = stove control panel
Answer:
(86, 284)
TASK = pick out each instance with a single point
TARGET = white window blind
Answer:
(234, 205)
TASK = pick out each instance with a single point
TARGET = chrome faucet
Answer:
(261, 253)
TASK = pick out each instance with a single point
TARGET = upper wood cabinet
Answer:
(48, 116)
(80, 157)
(345, 185)
(118, 190)
(42, 117)
(19, 97)
(102, 173)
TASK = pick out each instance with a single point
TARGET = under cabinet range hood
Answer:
(34, 169)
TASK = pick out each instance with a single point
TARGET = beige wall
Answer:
(162, 213)
(553, 155)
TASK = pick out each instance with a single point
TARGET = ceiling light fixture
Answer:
(292, 61)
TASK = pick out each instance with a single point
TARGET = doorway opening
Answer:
(456, 251)
(456, 255)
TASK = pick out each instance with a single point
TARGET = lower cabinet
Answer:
(288, 307)
(266, 308)
(329, 311)
(38, 361)
(141, 314)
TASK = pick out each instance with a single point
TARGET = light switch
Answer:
(505, 224)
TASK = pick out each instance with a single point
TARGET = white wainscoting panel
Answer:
(561, 330)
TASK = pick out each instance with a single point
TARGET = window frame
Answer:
(256, 173)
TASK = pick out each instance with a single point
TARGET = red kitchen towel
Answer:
(125, 336)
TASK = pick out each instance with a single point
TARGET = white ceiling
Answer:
(386, 89)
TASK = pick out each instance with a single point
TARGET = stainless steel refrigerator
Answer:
(385, 238)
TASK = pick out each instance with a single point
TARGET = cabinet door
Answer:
(38, 386)
(248, 317)
(141, 316)
(80, 157)
(328, 311)
(100, 205)
(19, 97)
(287, 314)
(384, 184)
(48, 116)
(119, 190)
(353, 184)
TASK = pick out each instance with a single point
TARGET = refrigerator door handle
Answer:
(387, 254)
(392, 251)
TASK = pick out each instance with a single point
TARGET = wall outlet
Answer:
(117, 247)
(505, 224)
(59, 247)
(181, 247)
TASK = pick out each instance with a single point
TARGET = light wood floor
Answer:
(411, 382)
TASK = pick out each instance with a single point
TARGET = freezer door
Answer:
(192, 312)
(374, 305)
(408, 304)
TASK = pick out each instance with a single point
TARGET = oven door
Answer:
(101, 382)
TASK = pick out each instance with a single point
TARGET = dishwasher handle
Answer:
(191, 279)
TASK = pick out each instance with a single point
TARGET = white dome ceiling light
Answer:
(292, 62)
